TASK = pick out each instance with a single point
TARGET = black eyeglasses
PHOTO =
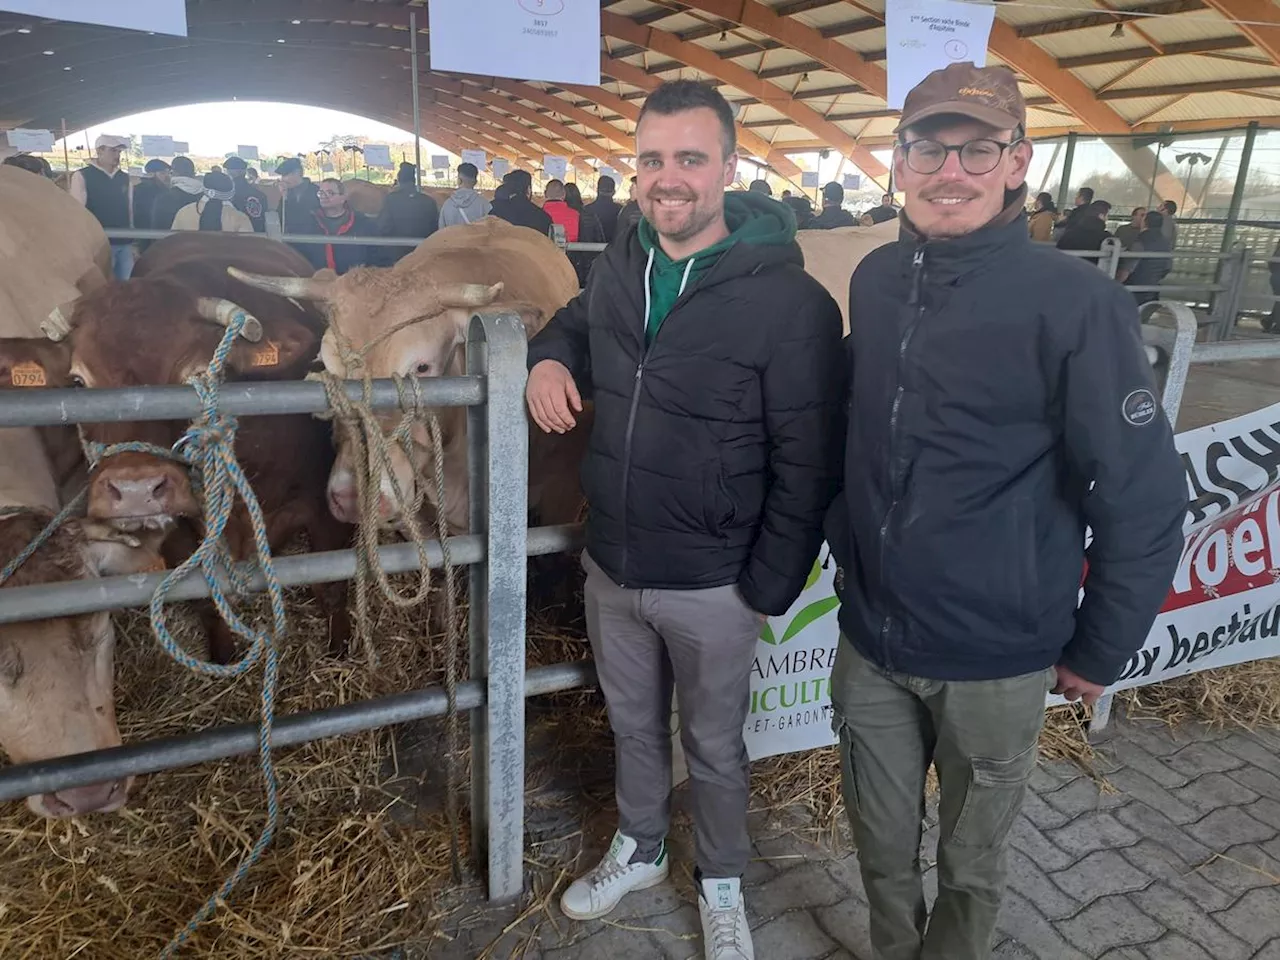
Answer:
(976, 156)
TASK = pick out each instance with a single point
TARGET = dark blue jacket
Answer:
(1001, 401)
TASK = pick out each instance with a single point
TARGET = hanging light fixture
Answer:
(1118, 31)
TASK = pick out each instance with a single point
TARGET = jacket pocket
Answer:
(718, 509)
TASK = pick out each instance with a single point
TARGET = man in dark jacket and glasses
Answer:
(718, 384)
(1001, 403)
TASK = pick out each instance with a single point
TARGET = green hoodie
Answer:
(750, 217)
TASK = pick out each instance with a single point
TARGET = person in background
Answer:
(107, 193)
(1127, 233)
(886, 210)
(833, 212)
(1084, 197)
(604, 208)
(589, 231)
(184, 188)
(28, 162)
(1272, 323)
(1021, 412)
(865, 220)
(249, 200)
(251, 175)
(146, 192)
(1040, 224)
(557, 208)
(464, 205)
(1169, 209)
(803, 210)
(1147, 271)
(761, 187)
(300, 203)
(786, 195)
(406, 212)
(630, 214)
(516, 204)
(1087, 232)
(334, 217)
(215, 211)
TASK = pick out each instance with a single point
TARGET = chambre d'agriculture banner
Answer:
(1223, 607)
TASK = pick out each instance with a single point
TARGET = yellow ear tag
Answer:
(27, 374)
(267, 355)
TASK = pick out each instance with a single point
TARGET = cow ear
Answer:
(111, 553)
(34, 362)
(284, 348)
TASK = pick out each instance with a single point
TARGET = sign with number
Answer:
(809, 178)
(927, 35)
(554, 168)
(439, 162)
(32, 141)
(477, 157)
(557, 41)
(156, 146)
(377, 155)
(247, 152)
(500, 167)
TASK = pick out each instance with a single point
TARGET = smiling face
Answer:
(952, 202)
(683, 172)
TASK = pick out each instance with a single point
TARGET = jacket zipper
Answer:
(916, 301)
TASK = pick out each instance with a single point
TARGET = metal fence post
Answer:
(498, 454)
(1237, 194)
(1064, 186)
(1172, 363)
(1232, 275)
(1109, 262)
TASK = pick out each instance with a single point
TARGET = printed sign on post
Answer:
(557, 41)
(477, 157)
(247, 152)
(554, 168)
(181, 147)
(32, 141)
(927, 35)
(377, 155)
(500, 167)
(439, 162)
(156, 146)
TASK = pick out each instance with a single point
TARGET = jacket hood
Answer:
(465, 197)
(191, 185)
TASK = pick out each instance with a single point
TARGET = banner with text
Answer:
(1222, 609)
(557, 41)
(927, 35)
(153, 16)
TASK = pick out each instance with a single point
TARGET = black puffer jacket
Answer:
(1002, 402)
(715, 452)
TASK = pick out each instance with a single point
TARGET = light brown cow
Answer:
(56, 676)
(831, 255)
(488, 264)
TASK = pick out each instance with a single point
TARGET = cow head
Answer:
(156, 332)
(399, 322)
(56, 676)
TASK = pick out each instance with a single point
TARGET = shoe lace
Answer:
(724, 928)
(606, 871)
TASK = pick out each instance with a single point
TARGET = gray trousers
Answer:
(701, 643)
(981, 736)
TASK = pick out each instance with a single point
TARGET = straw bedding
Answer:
(361, 863)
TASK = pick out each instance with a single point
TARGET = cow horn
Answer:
(299, 288)
(470, 294)
(223, 312)
(57, 326)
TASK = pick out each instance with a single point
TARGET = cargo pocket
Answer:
(993, 798)
(848, 778)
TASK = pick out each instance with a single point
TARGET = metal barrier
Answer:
(493, 392)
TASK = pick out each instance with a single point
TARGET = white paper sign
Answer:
(326, 167)
(553, 40)
(439, 174)
(29, 140)
(477, 157)
(554, 168)
(439, 162)
(927, 35)
(247, 152)
(156, 16)
(500, 167)
(611, 173)
(180, 147)
(809, 178)
(377, 155)
(853, 181)
(138, 171)
(156, 146)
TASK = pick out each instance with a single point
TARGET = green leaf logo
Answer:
(806, 616)
(767, 634)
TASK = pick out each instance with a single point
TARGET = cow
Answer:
(162, 326)
(56, 675)
(490, 265)
(831, 255)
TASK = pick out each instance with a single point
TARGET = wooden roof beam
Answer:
(1247, 14)
(1182, 89)
(1106, 19)
(1142, 53)
(544, 144)
(619, 137)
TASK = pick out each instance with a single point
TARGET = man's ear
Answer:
(286, 346)
(34, 362)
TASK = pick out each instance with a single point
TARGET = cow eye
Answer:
(75, 380)
(422, 370)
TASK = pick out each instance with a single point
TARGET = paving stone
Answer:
(1156, 739)
(796, 936)
(678, 933)
(1046, 779)
(1255, 918)
(1107, 923)
(1100, 874)
(1247, 746)
(1228, 827)
(1090, 832)
(1025, 837)
(1083, 796)
(1143, 820)
(1214, 791)
(1026, 926)
(655, 901)
(1174, 947)
(1182, 914)
(1160, 863)
(1032, 882)
(1265, 810)
(806, 886)
(1137, 785)
(1259, 781)
(1035, 809)
(848, 872)
(849, 924)
(1197, 759)
(1270, 952)
(1012, 950)
(1134, 757)
(1241, 868)
(1123, 953)
(612, 942)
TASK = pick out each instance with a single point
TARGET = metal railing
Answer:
(497, 454)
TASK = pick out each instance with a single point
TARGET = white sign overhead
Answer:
(377, 155)
(180, 146)
(153, 16)
(554, 168)
(927, 35)
(500, 167)
(439, 162)
(809, 178)
(247, 152)
(476, 157)
(852, 181)
(553, 40)
(31, 141)
(156, 146)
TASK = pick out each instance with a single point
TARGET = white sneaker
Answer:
(598, 891)
(725, 933)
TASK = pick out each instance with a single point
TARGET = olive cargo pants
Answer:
(981, 736)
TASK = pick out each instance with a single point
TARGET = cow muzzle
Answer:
(74, 801)
(344, 501)
(141, 492)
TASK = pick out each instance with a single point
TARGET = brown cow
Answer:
(156, 329)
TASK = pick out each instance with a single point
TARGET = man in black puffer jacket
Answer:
(1001, 403)
(718, 383)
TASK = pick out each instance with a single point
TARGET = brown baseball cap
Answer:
(989, 95)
